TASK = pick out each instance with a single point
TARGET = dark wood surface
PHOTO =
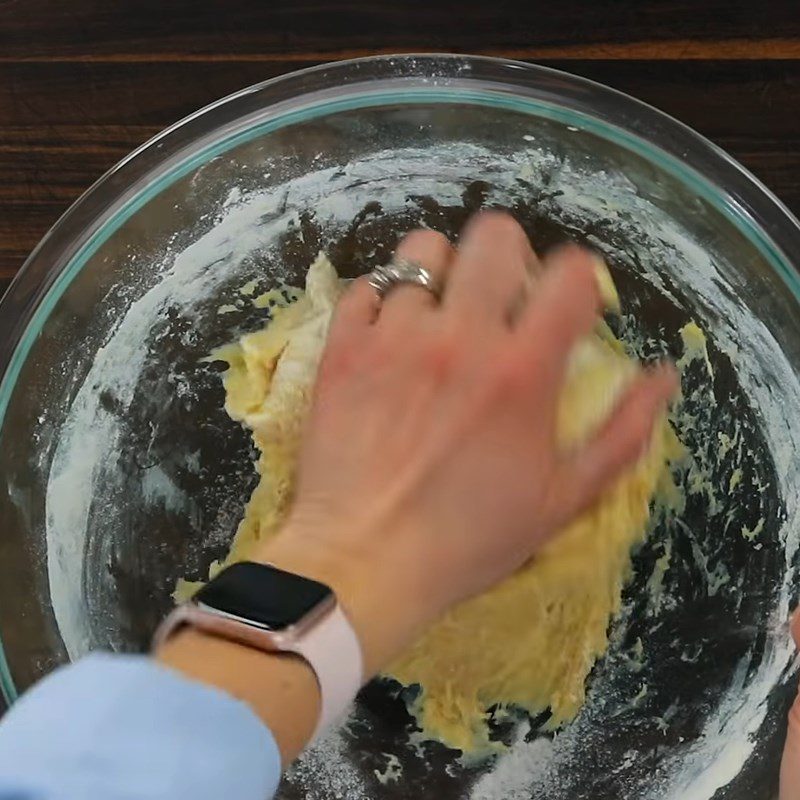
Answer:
(84, 82)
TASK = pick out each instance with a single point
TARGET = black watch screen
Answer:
(263, 594)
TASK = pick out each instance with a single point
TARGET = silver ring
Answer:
(401, 271)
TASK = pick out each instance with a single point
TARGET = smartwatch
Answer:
(261, 606)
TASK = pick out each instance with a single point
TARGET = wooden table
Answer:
(82, 83)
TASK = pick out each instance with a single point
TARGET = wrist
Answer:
(282, 690)
(382, 611)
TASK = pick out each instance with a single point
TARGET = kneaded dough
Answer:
(530, 641)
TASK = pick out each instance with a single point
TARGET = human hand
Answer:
(790, 764)
(430, 469)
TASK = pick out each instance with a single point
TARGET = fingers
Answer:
(622, 440)
(356, 310)
(790, 763)
(796, 627)
(564, 310)
(430, 250)
(493, 268)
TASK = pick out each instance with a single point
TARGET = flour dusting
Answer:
(634, 233)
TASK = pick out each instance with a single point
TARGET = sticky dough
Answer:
(530, 641)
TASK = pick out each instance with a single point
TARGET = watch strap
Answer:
(332, 650)
(329, 644)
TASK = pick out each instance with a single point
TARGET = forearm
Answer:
(281, 688)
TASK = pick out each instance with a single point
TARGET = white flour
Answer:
(251, 221)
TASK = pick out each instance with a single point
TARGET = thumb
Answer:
(790, 765)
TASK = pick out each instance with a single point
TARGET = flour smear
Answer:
(578, 197)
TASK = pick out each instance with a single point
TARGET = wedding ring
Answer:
(400, 271)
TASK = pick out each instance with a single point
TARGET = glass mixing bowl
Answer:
(123, 473)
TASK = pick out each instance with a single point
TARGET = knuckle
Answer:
(341, 358)
(382, 351)
(513, 373)
(441, 355)
(508, 379)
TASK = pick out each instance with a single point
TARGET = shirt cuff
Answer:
(116, 726)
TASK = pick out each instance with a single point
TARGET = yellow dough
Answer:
(530, 641)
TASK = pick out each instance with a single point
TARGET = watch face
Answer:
(262, 594)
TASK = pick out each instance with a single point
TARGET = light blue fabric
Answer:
(122, 728)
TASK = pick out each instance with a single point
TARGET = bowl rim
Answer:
(321, 89)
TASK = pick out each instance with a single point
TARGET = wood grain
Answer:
(82, 84)
(180, 28)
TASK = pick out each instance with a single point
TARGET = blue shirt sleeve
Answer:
(126, 728)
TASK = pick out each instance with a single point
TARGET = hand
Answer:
(430, 469)
(790, 765)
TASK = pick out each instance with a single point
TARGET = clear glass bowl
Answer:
(124, 473)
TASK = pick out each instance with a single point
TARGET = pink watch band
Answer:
(325, 639)
(332, 649)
